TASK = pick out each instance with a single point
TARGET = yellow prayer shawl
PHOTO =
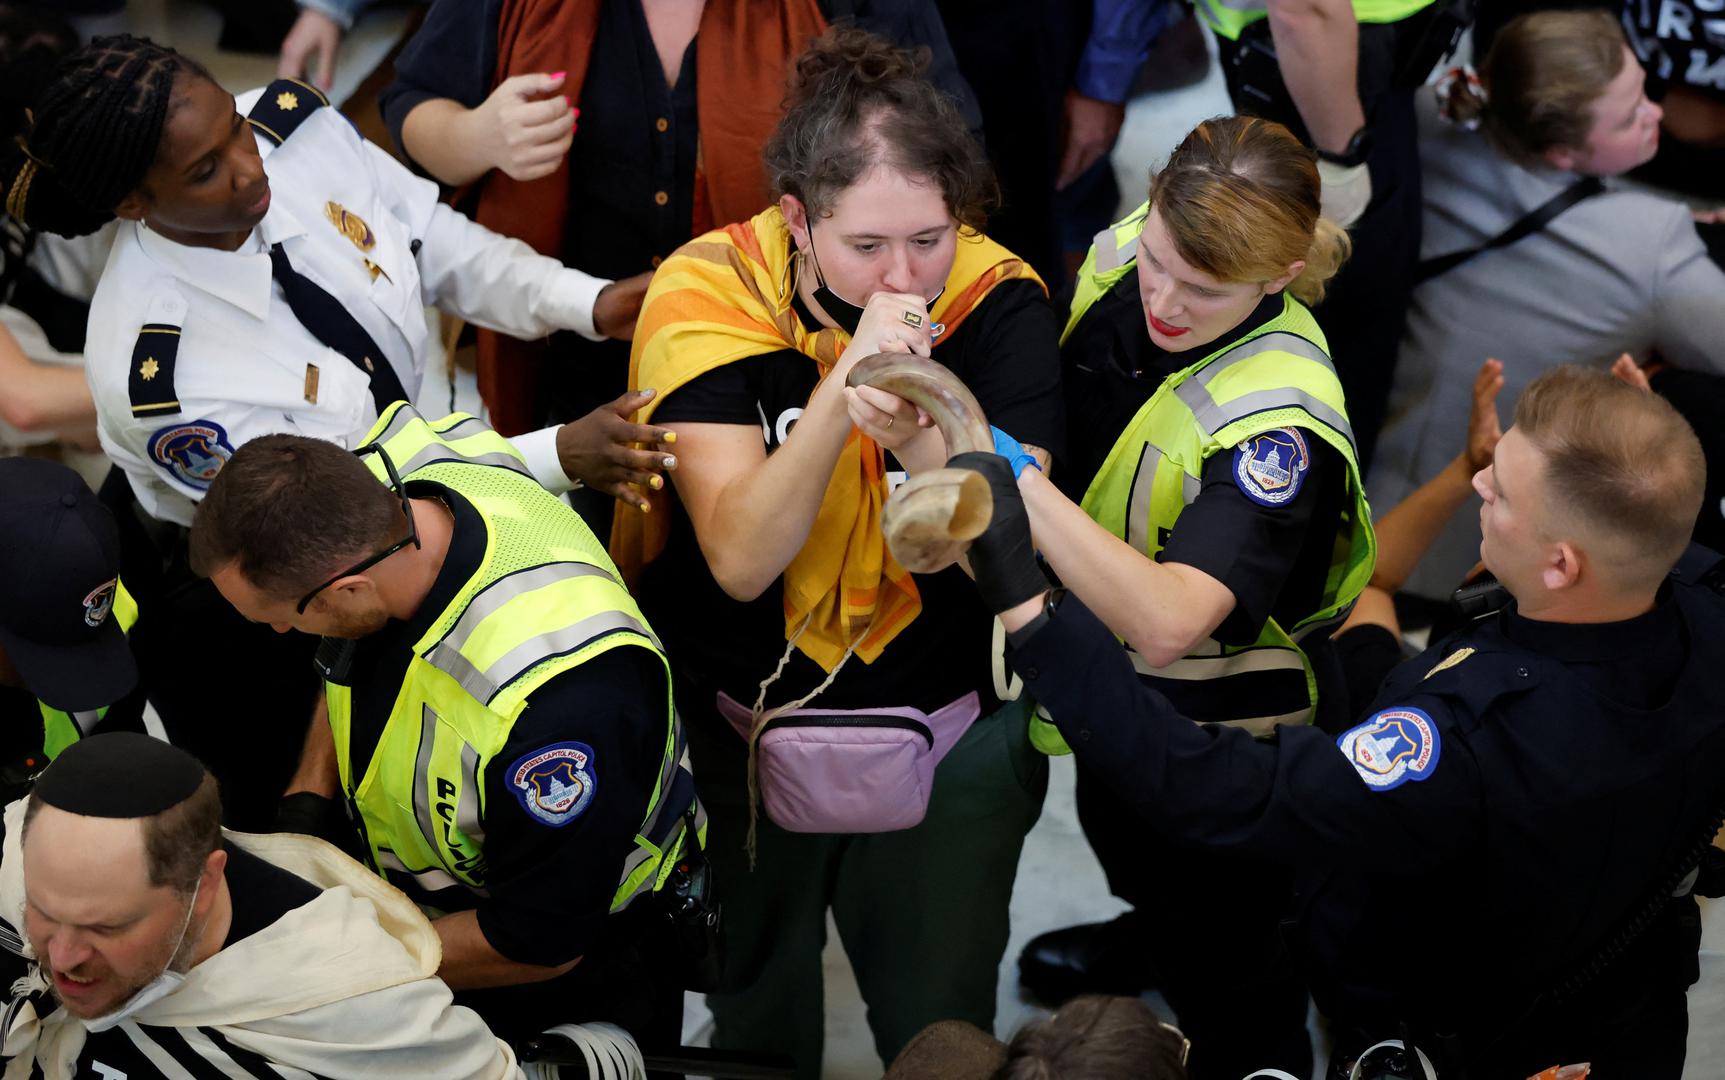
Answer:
(726, 296)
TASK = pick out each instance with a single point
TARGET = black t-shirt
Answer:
(549, 877)
(1679, 42)
(1274, 558)
(262, 892)
(1006, 353)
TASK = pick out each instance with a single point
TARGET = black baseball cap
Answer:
(59, 572)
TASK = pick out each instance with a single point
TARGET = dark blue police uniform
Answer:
(1518, 793)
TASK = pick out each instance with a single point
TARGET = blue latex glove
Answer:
(1013, 451)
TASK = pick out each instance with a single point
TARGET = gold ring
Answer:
(912, 318)
(889, 420)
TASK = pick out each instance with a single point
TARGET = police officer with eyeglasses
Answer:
(498, 738)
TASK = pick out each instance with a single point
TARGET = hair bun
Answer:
(849, 55)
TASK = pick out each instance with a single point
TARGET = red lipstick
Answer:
(1166, 330)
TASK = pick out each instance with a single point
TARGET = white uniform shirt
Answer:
(243, 363)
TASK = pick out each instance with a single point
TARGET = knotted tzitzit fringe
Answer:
(760, 715)
(1457, 80)
(609, 1053)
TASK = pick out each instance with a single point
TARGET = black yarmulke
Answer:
(121, 774)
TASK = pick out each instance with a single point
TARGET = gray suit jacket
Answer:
(1620, 272)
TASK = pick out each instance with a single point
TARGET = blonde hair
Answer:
(1540, 80)
(1239, 198)
(1619, 462)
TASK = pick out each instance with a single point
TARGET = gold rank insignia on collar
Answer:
(1450, 661)
(357, 231)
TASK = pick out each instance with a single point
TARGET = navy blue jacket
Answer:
(1515, 793)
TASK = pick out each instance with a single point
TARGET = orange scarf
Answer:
(743, 52)
(726, 296)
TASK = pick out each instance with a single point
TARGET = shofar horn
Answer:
(931, 519)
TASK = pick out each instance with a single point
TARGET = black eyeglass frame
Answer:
(412, 536)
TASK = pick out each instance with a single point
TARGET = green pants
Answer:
(922, 913)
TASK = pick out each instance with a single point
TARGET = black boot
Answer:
(1094, 958)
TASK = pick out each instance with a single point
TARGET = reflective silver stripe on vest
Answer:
(432, 881)
(467, 805)
(1111, 254)
(437, 451)
(1219, 666)
(1211, 417)
(667, 774)
(485, 685)
(86, 721)
(1279, 341)
(1266, 725)
(1150, 461)
(454, 431)
(422, 776)
(1300, 633)
(1138, 501)
(404, 415)
(1250, 6)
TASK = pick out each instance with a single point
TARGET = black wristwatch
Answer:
(1355, 153)
(1050, 601)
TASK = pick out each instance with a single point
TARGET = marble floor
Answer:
(1059, 882)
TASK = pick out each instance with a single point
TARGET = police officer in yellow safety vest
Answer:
(1213, 517)
(1342, 74)
(65, 665)
(499, 715)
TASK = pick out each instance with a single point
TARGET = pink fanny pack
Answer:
(849, 770)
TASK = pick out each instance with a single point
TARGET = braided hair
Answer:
(94, 132)
(32, 43)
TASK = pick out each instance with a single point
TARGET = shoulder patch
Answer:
(283, 107)
(194, 453)
(1392, 747)
(1269, 468)
(150, 382)
(554, 784)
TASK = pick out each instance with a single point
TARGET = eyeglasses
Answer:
(412, 536)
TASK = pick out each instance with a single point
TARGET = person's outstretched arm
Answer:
(1299, 796)
(1408, 529)
(43, 397)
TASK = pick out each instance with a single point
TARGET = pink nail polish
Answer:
(558, 74)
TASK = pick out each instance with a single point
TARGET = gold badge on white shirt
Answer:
(358, 232)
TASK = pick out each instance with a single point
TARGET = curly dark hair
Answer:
(95, 130)
(857, 101)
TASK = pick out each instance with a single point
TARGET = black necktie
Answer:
(330, 323)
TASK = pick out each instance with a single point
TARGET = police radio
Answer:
(688, 901)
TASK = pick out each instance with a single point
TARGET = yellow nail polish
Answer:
(656, 483)
(670, 437)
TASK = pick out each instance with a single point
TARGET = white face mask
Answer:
(156, 989)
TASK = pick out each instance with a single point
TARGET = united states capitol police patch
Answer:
(1269, 468)
(554, 784)
(192, 452)
(1393, 747)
